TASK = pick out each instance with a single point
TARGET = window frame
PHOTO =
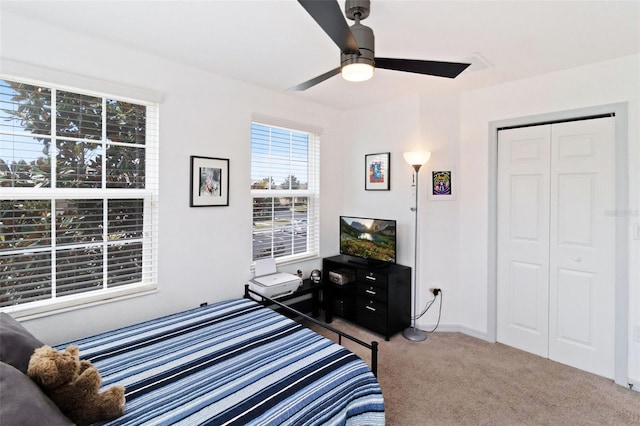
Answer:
(147, 195)
(312, 192)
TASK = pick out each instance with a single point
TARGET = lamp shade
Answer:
(417, 158)
(357, 72)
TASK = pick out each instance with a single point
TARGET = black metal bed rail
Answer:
(373, 346)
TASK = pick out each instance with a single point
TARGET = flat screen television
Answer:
(369, 240)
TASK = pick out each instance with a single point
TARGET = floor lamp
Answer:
(416, 159)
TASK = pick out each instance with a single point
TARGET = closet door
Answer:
(556, 242)
(582, 245)
(523, 238)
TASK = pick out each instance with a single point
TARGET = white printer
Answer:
(270, 283)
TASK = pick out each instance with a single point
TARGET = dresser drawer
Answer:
(371, 306)
(370, 291)
(371, 320)
(372, 278)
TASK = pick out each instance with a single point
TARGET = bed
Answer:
(233, 362)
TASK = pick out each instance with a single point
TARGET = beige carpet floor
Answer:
(455, 379)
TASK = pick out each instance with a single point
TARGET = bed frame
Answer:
(373, 346)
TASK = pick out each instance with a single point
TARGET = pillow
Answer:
(23, 403)
(16, 343)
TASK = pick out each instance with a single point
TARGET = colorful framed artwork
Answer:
(377, 171)
(209, 182)
(443, 181)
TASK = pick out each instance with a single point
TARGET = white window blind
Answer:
(285, 192)
(78, 203)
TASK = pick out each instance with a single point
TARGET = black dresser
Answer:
(375, 296)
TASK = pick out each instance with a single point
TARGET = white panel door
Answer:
(582, 245)
(556, 242)
(523, 238)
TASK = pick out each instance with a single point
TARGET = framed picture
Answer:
(443, 183)
(209, 182)
(377, 171)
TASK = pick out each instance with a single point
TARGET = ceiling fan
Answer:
(356, 43)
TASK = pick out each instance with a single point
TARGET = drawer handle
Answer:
(370, 292)
(370, 278)
(370, 308)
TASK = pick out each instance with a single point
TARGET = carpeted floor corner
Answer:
(455, 379)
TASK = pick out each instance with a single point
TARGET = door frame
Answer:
(619, 111)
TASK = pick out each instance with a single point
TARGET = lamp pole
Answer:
(416, 159)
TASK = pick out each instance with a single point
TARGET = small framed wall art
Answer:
(443, 183)
(209, 182)
(377, 171)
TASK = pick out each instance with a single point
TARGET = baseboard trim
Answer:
(445, 328)
(475, 333)
(457, 328)
(634, 384)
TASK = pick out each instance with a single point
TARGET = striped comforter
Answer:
(233, 362)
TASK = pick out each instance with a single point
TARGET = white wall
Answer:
(454, 234)
(439, 230)
(205, 253)
(390, 127)
(410, 124)
(597, 84)
(203, 114)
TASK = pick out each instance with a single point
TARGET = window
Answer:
(285, 192)
(78, 183)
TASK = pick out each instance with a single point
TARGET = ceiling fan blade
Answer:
(330, 18)
(314, 81)
(439, 69)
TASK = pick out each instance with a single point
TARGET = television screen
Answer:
(371, 239)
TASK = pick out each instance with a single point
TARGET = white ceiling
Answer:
(276, 44)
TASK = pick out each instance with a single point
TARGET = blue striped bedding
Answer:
(233, 362)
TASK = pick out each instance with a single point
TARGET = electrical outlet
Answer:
(636, 333)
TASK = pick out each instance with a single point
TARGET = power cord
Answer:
(426, 308)
(439, 314)
(436, 292)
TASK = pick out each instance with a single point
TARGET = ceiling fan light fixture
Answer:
(357, 72)
(357, 45)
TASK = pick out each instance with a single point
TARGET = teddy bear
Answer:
(74, 385)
